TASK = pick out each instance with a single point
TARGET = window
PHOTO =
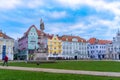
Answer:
(75, 39)
(33, 41)
(91, 47)
(91, 51)
(96, 46)
(87, 47)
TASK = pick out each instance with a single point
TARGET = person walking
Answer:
(5, 61)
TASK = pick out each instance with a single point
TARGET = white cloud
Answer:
(97, 27)
(97, 4)
(34, 3)
(13, 4)
(57, 15)
(78, 28)
(53, 14)
(9, 4)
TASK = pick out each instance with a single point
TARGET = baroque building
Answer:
(29, 42)
(97, 49)
(54, 46)
(114, 48)
(74, 47)
(6, 46)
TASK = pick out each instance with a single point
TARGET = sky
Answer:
(84, 18)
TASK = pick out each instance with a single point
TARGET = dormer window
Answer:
(74, 39)
(81, 40)
(66, 39)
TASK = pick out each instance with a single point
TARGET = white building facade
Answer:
(114, 48)
(97, 49)
(6, 46)
(74, 47)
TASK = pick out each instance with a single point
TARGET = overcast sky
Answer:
(84, 18)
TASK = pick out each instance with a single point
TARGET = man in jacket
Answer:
(5, 61)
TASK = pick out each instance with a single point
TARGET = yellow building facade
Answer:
(54, 45)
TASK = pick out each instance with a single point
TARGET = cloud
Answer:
(86, 18)
(14, 4)
(97, 4)
(95, 27)
(57, 15)
(53, 14)
(33, 3)
(6, 4)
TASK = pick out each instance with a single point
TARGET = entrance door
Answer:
(3, 51)
(119, 56)
(75, 57)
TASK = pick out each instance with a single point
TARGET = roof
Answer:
(5, 36)
(97, 41)
(69, 38)
(51, 36)
(27, 32)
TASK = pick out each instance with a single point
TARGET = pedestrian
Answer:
(5, 61)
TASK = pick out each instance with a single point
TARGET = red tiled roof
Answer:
(97, 41)
(5, 36)
(51, 36)
(69, 38)
(92, 40)
(38, 32)
(26, 33)
(60, 38)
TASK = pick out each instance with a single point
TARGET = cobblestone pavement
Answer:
(114, 74)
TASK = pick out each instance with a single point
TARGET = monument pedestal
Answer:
(40, 56)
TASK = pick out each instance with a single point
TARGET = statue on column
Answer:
(41, 52)
(42, 25)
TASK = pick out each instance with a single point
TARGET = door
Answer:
(75, 57)
(3, 51)
(119, 56)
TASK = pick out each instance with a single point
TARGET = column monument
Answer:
(41, 52)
